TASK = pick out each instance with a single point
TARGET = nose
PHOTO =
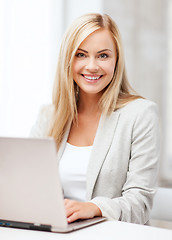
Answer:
(92, 65)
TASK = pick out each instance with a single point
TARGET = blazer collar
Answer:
(102, 143)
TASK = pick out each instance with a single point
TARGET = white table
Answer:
(108, 230)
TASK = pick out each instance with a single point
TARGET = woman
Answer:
(107, 138)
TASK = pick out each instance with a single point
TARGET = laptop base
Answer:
(40, 227)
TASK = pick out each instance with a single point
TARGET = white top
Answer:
(73, 170)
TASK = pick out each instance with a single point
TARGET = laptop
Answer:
(31, 195)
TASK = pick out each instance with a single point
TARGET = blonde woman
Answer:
(107, 137)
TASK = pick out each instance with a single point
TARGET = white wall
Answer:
(146, 28)
(31, 33)
(167, 140)
(75, 8)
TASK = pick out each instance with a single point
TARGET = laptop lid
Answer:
(31, 193)
(29, 182)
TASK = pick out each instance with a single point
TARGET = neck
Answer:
(89, 104)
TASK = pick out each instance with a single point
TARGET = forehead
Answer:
(100, 39)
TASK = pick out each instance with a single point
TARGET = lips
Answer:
(91, 78)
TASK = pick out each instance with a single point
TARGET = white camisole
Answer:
(73, 169)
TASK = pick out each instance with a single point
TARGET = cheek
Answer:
(74, 69)
(109, 69)
(77, 66)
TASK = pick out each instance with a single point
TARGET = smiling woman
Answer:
(107, 137)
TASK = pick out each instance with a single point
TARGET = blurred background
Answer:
(30, 37)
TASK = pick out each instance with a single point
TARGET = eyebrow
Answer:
(103, 50)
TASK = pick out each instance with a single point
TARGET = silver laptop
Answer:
(30, 191)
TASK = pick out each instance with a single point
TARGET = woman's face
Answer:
(94, 62)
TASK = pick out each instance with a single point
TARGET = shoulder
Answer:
(46, 111)
(45, 114)
(138, 113)
(43, 122)
(139, 107)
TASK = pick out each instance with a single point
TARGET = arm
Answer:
(136, 198)
(137, 193)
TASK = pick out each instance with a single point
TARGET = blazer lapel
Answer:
(63, 144)
(102, 142)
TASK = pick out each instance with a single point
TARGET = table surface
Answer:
(102, 231)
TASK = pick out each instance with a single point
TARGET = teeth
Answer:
(91, 78)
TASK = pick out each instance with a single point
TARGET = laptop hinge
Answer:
(41, 227)
(31, 226)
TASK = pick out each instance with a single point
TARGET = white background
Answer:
(31, 32)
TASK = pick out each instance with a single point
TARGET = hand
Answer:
(80, 210)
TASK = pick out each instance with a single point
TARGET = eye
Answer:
(103, 55)
(80, 55)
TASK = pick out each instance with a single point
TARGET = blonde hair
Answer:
(65, 96)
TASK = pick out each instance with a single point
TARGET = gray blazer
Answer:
(123, 167)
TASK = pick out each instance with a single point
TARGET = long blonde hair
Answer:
(65, 96)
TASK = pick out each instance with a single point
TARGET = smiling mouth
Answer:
(92, 77)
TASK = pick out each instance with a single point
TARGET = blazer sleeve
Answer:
(135, 203)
